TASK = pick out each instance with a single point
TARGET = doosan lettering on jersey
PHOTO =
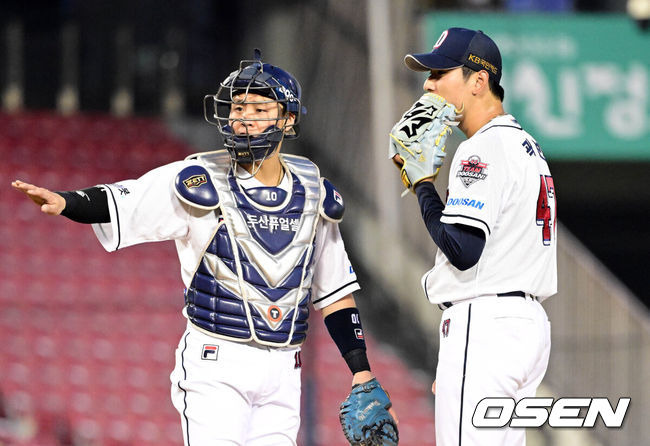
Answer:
(465, 202)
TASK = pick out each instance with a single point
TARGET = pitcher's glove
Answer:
(419, 138)
(364, 416)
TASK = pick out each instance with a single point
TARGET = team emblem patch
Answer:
(445, 328)
(472, 170)
(358, 333)
(210, 352)
(274, 313)
(195, 181)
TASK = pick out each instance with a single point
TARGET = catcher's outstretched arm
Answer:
(84, 206)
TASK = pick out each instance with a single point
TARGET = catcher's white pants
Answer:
(489, 347)
(229, 393)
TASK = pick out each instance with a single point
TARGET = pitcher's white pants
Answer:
(489, 347)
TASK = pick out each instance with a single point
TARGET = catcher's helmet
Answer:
(269, 81)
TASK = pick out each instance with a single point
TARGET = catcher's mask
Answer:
(277, 87)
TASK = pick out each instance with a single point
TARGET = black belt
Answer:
(512, 293)
(445, 305)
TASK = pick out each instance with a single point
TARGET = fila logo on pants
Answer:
(210, 352)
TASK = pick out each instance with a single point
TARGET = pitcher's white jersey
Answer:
(499, 182)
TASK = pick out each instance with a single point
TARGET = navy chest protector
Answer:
(253, 282)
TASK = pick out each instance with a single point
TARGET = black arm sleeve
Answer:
(344, 326)
(461, 244)
(86, 206)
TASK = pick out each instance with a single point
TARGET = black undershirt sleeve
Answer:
(461, 244)
(86, 205)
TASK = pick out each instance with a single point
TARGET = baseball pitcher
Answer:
(496, 234)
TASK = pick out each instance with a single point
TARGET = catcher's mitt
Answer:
(364, 416)
(419, 138)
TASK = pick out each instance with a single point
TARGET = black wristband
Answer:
(357, 360)
(86, 206)
(344, 326)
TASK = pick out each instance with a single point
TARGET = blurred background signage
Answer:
(571, 82)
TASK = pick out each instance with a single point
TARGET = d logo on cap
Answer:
(457, 47)
(441, 39)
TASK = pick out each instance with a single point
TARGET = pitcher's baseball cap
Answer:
(457, 47)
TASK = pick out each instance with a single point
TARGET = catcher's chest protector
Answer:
(254, 279)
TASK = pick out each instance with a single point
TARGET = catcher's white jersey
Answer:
(253, 408)
(147, 210)
(499, 182)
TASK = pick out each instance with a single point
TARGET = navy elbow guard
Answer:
(344, 326)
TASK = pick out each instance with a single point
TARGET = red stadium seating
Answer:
(87, 336)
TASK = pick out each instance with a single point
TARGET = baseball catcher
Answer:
(256, 231)
(364, 416)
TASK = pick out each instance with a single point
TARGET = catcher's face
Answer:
(251, 114)
(449, 84)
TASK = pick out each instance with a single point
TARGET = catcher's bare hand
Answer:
(50, 202)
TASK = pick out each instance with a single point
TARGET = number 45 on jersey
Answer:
(546, 208)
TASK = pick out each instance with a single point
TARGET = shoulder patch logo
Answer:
(195, 181)
(472, 170)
